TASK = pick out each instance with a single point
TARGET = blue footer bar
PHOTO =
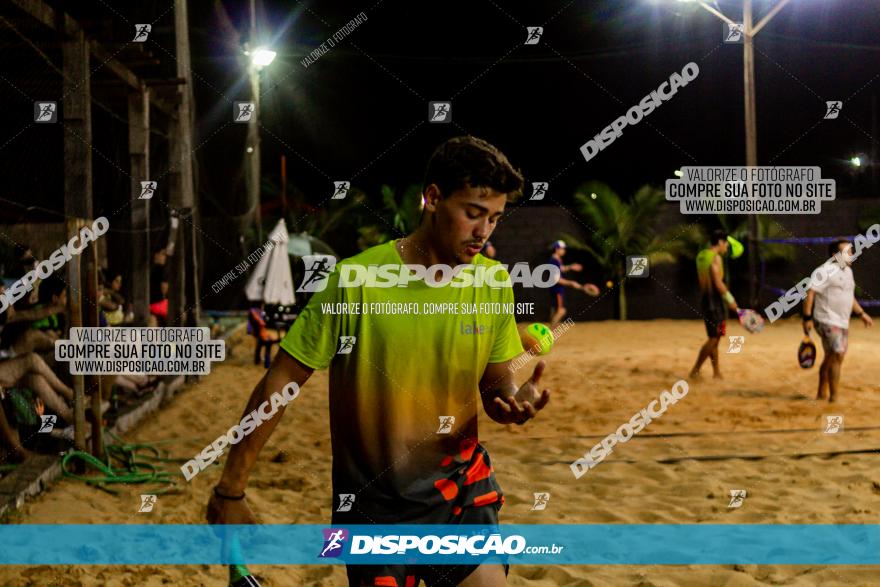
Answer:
(600, 544)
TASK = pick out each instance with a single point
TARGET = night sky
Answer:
(360, 111)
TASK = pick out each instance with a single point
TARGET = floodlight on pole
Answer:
(856, 161)
(261, 56)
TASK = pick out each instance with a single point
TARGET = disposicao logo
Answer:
(333, 542)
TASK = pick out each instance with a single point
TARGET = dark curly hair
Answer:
(469, 161)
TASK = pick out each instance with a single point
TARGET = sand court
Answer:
(758, 430)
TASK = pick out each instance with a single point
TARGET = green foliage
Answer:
(400, 215)
(621, 228)
(405, 215)
(738, 228)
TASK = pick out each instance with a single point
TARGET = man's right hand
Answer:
(228, 511)
(808, 326)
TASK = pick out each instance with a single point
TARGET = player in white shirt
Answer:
(828, 306)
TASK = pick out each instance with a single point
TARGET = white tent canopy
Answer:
(271, 281)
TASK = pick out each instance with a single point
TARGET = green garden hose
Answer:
(132, 468)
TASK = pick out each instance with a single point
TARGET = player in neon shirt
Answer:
(398, 454)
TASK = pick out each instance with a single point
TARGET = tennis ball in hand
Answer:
(537, 338)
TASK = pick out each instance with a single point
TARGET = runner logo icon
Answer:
(48, 423)
(148, 188)
(333, 540)
(534, 34)
(141, 31)
(734, 33)
(243, 111)
(541, 500)
(45, 111)
(833, 424)
(440, 112)
(318, 269)
(832, 109)
(340, 190)
(637, 266)
(147, 503)
(346, 501)
(346, 345)
(539, 190)
(737, 496)
(736, 344)
(446, 424)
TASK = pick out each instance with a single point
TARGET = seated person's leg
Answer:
(34, 341)
(54, 402)
(125, 383)
(11, 370)
(139, 380)
(15, 451)
(38, 365)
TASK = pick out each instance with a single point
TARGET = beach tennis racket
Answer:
(807, 353)
(590, 289)
(751, 320)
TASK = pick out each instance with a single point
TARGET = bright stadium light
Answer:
(261, 57)
(856, 161)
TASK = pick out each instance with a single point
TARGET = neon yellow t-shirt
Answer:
(400, 379)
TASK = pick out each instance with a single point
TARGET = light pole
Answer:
(749, 31)
(258, 59)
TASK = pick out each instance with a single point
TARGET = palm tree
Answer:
(402, 217)
(620, 228)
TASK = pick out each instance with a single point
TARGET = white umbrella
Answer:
(271, 281)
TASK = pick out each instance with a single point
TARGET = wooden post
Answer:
(187, 114)
(77, 113)
(74, 320)
(90, 312)
(77, 109)
(139, 155)
(195, 312)
(182, 263)
(751, 142)
(175, 271)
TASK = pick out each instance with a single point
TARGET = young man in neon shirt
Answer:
(402, 375)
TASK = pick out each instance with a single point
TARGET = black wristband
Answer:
(229, 497)
(859, 314)
(807, 317)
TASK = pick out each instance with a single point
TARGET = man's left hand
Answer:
(527, 402)
(866, 319)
